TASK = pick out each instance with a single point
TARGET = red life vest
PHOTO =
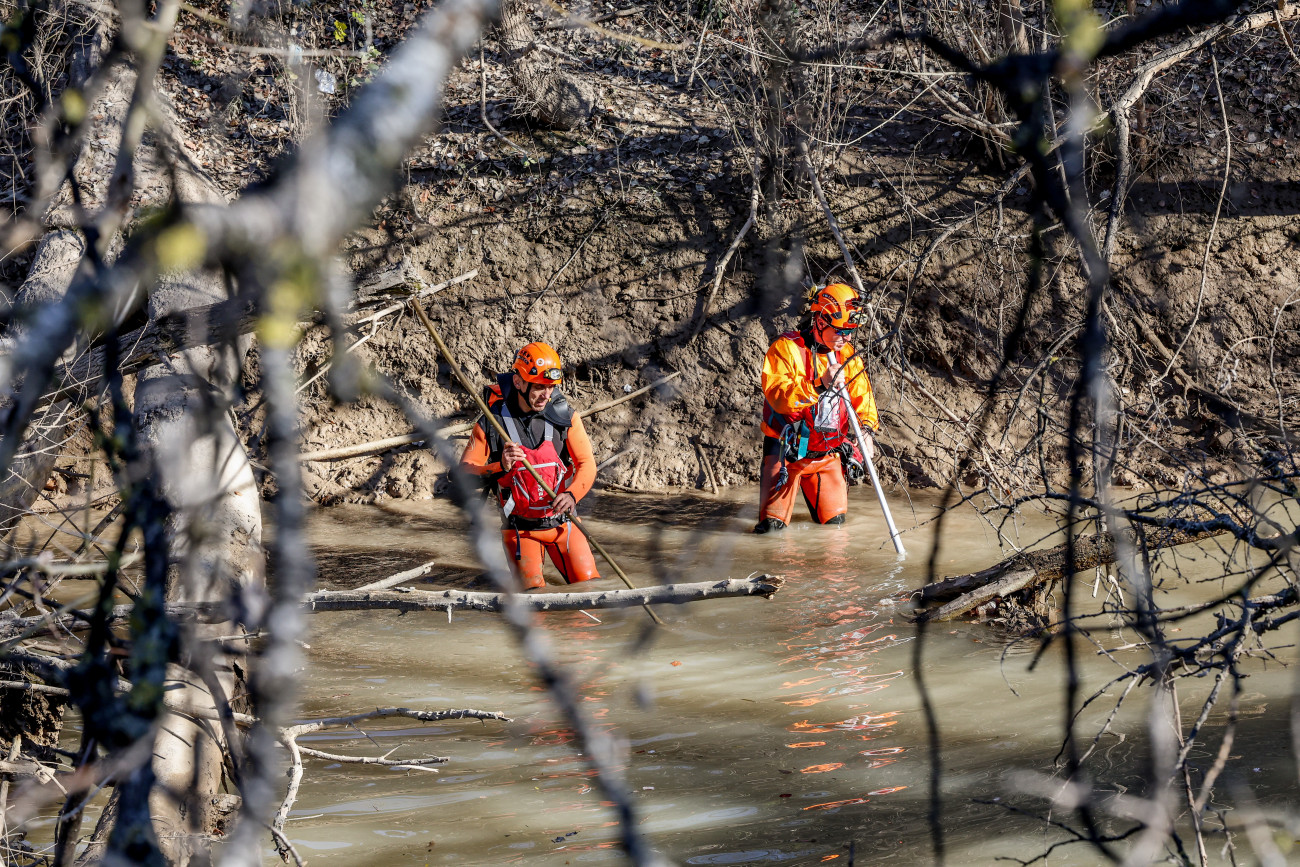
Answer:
(518, 492)
(817, 429)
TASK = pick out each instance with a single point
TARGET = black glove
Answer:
(854, 469)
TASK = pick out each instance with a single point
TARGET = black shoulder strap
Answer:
(492, 396)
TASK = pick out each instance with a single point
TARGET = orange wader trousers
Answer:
(820, 479)
(566, 546)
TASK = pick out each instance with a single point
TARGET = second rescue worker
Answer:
(807, 436)
(544, 430)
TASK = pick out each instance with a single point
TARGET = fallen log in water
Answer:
(462, 600)
(1031, 570)
(13, 629)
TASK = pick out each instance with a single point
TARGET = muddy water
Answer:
(783, 731)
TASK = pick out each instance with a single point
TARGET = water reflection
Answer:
(830, 658)
(757, 731)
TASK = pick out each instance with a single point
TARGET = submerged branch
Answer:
(289, 737)
(1031, 568)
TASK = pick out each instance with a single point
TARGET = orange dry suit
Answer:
(557, 446)
(806, 429)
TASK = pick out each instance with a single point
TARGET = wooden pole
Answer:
(487, 414)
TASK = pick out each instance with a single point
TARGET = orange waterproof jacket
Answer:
(791, 375)
(481, 460)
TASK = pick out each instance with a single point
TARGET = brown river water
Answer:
(787, 731)
(782, 731)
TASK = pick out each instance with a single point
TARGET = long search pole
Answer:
(843, 391)
(465, 384)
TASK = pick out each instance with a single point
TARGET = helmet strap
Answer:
(521, 386)
(821, 325)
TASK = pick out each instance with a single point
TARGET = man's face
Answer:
(828, 336)
(534, 396)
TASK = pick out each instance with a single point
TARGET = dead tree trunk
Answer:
(557, 100)
(58, 256)
(186, 433)
(1031, 573)
(1011, 18)
(57, 259)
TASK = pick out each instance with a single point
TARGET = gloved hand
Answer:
(854, 469)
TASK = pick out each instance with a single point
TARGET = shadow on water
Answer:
(685, 510)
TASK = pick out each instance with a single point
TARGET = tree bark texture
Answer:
(1011, 18)
(59, 255)
(557, 100)
(186, 434)
(461, 600)
(35, 715)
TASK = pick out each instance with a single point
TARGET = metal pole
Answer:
(843, 391)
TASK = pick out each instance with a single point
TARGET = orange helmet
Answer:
(539, 364)
(839, 304)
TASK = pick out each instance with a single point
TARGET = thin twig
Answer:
(282, 840)
(381, 761)
(425, 291)
(834, 224)
(376, 446)
(704, 465)
(576, 250)
(291, 795)
(695, 62)
(720, 271)
(482, 104)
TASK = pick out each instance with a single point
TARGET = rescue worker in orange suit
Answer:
(545, 431)
(808, 439)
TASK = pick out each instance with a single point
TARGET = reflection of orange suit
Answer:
(526, 538)
(793, 444)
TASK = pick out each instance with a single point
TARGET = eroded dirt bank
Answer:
(617, 286)
(604, 241)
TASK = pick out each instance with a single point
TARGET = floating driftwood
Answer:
(1034, 570)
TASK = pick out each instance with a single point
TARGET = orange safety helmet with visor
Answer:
(539, 364)
(838, 303)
